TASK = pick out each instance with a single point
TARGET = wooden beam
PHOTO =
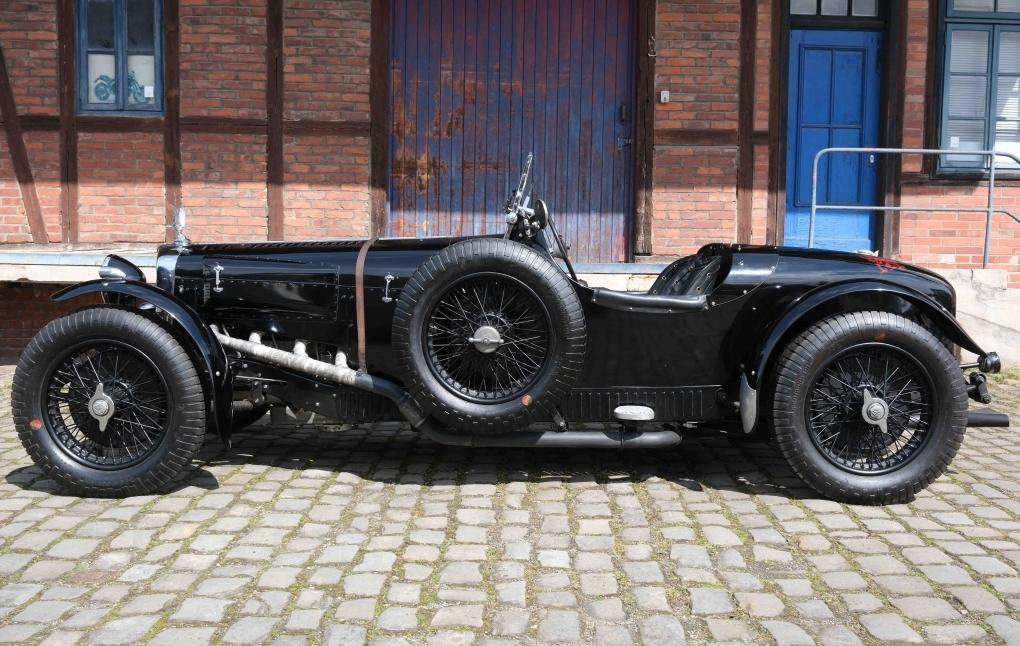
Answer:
(101, 123)
(745, 119)
(379, 97)
(172, 119)
(274, 117)
(19, 155)
(224, 125)
(895, 71)
(314, 127)
(777, 123)
(40, 122)
(644, 129)
(695, 137)
(68, 123)
(208, 124)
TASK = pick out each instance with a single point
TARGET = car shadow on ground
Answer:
(392, 454)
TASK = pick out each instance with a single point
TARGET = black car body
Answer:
(704, 346)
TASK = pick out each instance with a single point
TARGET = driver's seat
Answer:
(683, 286)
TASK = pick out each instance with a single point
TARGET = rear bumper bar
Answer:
(987, 418)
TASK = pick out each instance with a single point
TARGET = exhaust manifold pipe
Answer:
(341, 373)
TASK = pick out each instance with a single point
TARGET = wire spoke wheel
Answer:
(869, 410)
(488, 338)
(106, 404)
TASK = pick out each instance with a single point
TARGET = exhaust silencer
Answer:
(987, 419)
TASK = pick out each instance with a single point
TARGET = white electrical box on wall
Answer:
(664, 96)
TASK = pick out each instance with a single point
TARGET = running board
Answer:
(558, 439)
(987, 419)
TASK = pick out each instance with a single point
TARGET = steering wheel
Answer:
(543, 219)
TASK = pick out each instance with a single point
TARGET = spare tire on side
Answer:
(490, 334)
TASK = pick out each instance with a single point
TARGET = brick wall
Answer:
(947, 240)
(26, 309)
(29, 37)
(224, 186)
(223, 58)
(326, 187)
(120, 187)
(695, 198)
(44, 157)
(694, 187)
(956, 240)
(326, 193)
(326, 53)
(698, 62)
(762, 81)
(13, 223)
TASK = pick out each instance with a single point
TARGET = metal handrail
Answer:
(989, 210)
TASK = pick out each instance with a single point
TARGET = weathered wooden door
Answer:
(476, 86)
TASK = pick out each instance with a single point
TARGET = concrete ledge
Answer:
(43, 264)
(988, 310)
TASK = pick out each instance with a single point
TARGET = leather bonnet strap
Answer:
(359, 300)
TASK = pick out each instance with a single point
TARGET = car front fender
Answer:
(206, 351)
(852, 296)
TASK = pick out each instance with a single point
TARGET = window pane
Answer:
(100, 24)
(974, 5)
(967, 96)
(102, 78)
(1007, 105)
(867, 7)
(834, 7)
(140, 25)
(1007, 139)
(969, 51)
(804, 7)
(964, 135)
(141, 79)
(1009, 52)
(1012, 6)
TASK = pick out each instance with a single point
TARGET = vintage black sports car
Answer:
(845, 360)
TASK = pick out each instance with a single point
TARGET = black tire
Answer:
(90, 460)
(855, 461)
(541, 285)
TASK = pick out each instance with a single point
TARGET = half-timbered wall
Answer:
(276, 125)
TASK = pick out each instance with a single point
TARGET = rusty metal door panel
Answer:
(476, 85)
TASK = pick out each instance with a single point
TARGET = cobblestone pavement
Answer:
(321, 536)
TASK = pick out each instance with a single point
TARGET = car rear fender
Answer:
(205, 350)
(846, 297)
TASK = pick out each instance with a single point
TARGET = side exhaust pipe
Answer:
(558, 439)
(340, 373)
(987, 419)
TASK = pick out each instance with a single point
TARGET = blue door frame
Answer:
(834, 100)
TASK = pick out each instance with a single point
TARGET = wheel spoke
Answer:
(498, 303)
(835, 419)
(140, 399)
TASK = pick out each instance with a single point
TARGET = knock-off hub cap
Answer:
(101, 407)
(486, 339)
(875, 411)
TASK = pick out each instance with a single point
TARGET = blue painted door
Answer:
(834, 85)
